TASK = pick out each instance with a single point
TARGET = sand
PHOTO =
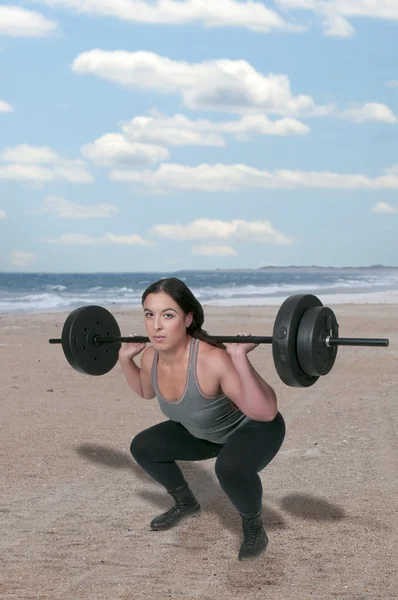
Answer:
(75, 508)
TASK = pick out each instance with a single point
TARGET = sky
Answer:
(149, 135)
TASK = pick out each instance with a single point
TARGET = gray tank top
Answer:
(212, 418)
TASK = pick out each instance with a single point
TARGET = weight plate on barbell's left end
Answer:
(81, 328)
(314, 356)
(284, 340)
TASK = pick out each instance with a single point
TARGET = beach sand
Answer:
(75, 508)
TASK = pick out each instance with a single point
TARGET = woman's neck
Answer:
(175, 356)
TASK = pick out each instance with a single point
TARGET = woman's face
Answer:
(165, 321)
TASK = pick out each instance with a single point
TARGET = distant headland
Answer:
(298, 268)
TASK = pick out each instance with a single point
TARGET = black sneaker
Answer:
(255, 539)
(185, 505)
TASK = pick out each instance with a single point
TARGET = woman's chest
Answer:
(173, 382)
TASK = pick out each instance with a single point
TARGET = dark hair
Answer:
(185, 299)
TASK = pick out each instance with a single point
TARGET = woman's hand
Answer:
(131, 349)
(236, 350)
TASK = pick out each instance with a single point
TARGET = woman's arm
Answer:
(241, 383)
(139, 378)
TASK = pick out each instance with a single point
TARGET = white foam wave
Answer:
(364, 290)
(32, 302)
(56, 288)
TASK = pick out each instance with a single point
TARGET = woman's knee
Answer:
(230, 467)
(139, 445)
(279, 429)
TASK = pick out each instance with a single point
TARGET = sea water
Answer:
(59, 292)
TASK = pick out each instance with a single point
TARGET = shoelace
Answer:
(251, 534)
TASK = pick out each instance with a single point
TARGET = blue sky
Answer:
(164, 135)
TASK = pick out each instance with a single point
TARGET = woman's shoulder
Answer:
(148, 351)
(209, 354)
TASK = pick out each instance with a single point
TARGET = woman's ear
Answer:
(189, 319)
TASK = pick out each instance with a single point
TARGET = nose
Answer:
(157, 324)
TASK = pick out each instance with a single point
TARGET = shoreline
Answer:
(208, 308)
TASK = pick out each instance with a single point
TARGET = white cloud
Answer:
(213, 251)
(393, 83)
(383, 207)
(201, 229)
(335, 13)
(26, 166)
(24, 153)
(238, 229)
(18, 22)
(371, 111)
(215, 13)
(25, 173)
(251, 125)
(378, 9)
(22, 259)
(231, 86)
(392, 170)
(179, 130)
(71, 239)
(5, 107)
(69, 210)
(36, 174)
(127, 240)
(228, 85)
(144, 139)
(250, 14)
(230, 178)
(78, 239)
(72, 172)
(113, 149)
(335, 25)
(3, 214)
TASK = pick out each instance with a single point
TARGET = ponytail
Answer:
(201, 334)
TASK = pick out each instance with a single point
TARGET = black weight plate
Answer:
(78, 334)
(314, 356)
(284, 341)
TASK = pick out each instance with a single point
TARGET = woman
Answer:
(216, 404)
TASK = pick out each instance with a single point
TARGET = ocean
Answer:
(59, 292)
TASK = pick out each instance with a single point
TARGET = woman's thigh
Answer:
(253, 446)
(169, 440)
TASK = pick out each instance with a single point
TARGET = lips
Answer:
(158, 337)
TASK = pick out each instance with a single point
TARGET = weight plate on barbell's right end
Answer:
(314, 356)
(81, 328)
(284, 340)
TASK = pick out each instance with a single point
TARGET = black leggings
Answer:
(239, 460)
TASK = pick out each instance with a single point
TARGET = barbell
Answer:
(305, 340)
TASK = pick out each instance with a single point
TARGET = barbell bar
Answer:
(257, 339)
(305, 340)
(235, 339)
